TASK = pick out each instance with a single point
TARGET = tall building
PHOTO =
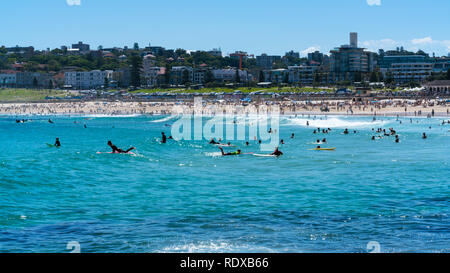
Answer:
(81, 47)
(347, 61)
(354, 39)
(266, 62)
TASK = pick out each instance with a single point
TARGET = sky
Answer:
(254, 26)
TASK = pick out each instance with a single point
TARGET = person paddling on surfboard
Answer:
(57, 143)
(238, 152)
(277, 152)
(116, 150)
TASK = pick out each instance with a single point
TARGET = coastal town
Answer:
(349, 79)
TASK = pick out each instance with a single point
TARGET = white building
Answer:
(229, 75)
(88, 80)
(411, 72)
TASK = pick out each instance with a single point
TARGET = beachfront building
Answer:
(349, 60)
(229, 75)
(303, 74)
(438, 87)
(180, 75)
(33, 80)
(410, 72)
(7, 80)
(276, 76)
(88, 80)
(153, 76)
(266, 62)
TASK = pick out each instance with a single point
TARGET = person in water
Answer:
(238, 152)
(293, 135)
(213, 142)
(116, 150)
(57, 143)
(163, 137)
(50, 121)
(397, 139)
(424, 136)
(277, 152)
(346, 131)
(373, 137)
(324, 140)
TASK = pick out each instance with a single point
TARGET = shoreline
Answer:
(120, 108)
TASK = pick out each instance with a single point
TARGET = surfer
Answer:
(164, 138)
(346, 132)
(50, 121)
(57, 143)
(277, 152)
(397, 139)
(292, 136)
(424, 136)
(213, 142)
(238, 152)
(324, 140)
(116, 150)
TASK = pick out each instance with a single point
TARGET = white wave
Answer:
(164, 119)
(216, 154)
(214, 247)
(335, 122)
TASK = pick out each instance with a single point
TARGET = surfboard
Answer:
(323, 149)
(129, 153)
(261, 155)
(225, 145)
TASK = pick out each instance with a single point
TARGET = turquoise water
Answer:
(181, 197)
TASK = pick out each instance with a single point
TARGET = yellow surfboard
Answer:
(323, 149)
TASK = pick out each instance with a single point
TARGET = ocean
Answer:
(183, 197)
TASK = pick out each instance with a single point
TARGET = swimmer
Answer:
(57, 143)
(277, 152)
(213, 142)
(238, 152)
(424, 136)
(164, 138)
(116, 150)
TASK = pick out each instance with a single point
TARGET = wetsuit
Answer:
(116, 150)
(57, 144)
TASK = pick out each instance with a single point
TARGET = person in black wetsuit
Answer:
(277, 152)
(164, 138)
(238, 152)
(57, 143)
(116, 150)
(213, 141)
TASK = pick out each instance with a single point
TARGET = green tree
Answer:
(286, 77)
(209, 76)
(136, 46)
(358, 76)
(35, 82)
(448, 74)
(373, 77)
(185, 76)
(136, 67)
(261, 76)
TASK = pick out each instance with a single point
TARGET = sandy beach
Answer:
(396, 107)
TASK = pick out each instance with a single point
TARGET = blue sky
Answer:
(255, 26)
